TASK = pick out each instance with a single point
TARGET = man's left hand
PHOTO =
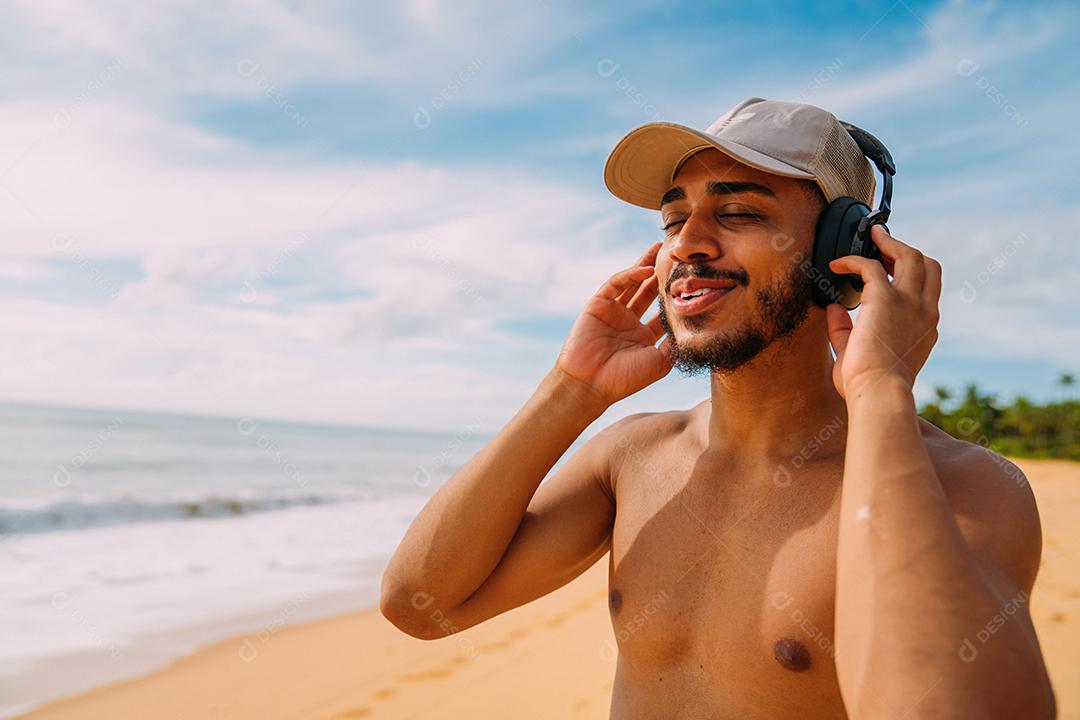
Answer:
(898, 319)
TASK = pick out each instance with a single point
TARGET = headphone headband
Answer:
(874, 149)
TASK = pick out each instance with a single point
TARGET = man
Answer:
(809, 547)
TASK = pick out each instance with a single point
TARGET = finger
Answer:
(869, 270)
(620, 281)
(629, 297)
(839, 326)
(646, 260)
(902, 261)
(656, 327)
(932, 287)
(648, 291)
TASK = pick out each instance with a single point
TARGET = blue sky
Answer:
(391, 214)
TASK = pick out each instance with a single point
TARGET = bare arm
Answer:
(932, 616)
(459, 538)
(912, 582)
(489, 540)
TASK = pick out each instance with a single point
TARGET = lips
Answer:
(694, 295)
(699, 303)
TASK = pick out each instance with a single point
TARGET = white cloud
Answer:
(979, 35)
(237, 251)
(181, 46)
(25, 270)
(173, 51)
(280, 285)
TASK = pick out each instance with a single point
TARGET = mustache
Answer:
(706, 272)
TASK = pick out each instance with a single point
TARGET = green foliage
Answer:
(1020, 429)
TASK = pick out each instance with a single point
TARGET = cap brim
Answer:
(641, 167)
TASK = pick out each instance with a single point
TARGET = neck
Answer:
(774, 407)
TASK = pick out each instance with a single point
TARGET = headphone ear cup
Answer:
(833, 236)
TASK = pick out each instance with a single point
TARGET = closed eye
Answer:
(673, 223)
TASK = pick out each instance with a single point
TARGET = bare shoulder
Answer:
(992, 501)
(977, 476)
(637, 438)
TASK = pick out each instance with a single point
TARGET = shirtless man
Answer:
(801, 545)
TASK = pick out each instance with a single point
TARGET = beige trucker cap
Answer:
(785, 138)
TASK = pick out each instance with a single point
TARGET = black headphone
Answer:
(843, 228)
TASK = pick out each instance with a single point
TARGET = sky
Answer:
(391, 213)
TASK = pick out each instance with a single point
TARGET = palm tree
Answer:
(1065, 382)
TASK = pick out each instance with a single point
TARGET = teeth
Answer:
(696, 293)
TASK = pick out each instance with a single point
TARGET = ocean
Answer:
(130, 539)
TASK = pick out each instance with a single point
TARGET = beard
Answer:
(783, 306)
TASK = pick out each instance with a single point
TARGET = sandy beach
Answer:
(550, 659)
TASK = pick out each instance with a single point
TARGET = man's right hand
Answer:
(609, 349)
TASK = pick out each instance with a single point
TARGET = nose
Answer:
(696, 241)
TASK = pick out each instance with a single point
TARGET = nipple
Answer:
(791, 654)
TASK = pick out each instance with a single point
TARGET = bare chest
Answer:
(721, 588)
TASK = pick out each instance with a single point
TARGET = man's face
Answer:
(731, 269)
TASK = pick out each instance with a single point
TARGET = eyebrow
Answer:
(719, 187)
